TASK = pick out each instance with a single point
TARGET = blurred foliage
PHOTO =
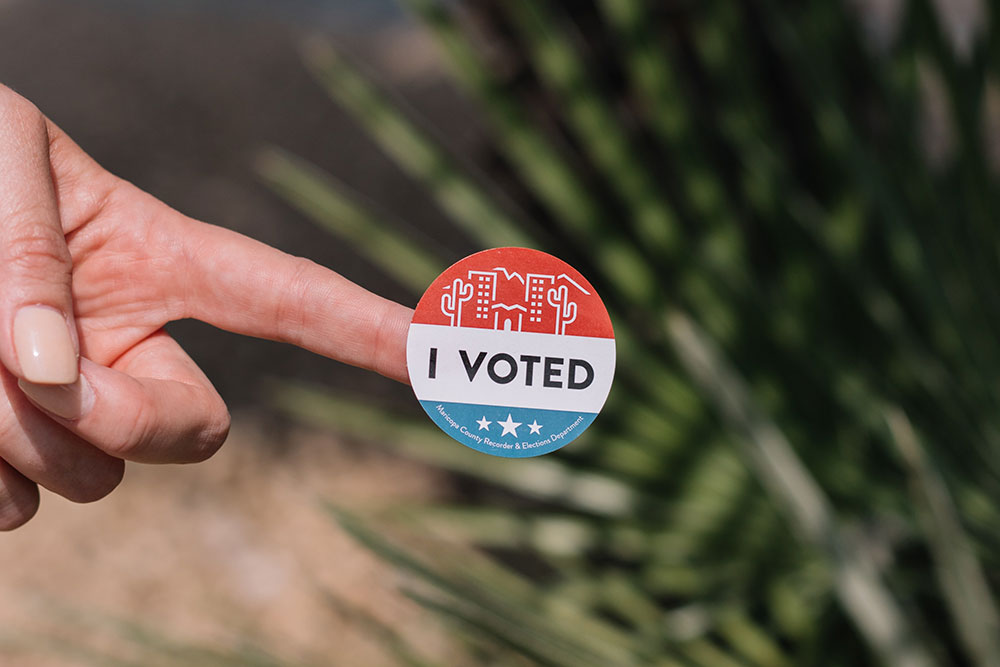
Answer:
(789, 210)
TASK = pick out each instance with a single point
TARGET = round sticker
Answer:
(511, 352)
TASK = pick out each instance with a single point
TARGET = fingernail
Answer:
(69, 401)
(44, 346)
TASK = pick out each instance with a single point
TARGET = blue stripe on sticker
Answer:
(505, 431)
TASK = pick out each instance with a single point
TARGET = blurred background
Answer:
(788, 208)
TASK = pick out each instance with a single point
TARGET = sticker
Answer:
(511, 352)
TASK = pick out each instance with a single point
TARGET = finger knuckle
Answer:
(136, 430)
(213, 434)
(10, 427)
(292, 309)
(380, 347)
(96, 483)
(16, 511)
(37, 249)
(14, 517)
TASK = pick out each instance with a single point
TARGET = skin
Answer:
(119, 264)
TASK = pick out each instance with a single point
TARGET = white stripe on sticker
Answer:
(504, 368)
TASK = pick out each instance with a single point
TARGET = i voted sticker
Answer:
(511, 352)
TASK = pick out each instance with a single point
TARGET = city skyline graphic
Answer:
(506, 300)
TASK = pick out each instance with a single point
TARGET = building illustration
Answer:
(508, 301)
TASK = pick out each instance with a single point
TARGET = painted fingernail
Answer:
(69, 401)
(44, 346)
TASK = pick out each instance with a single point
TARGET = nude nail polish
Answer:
(44, 346)
(69, 401)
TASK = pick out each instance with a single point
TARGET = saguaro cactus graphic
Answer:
(565, 309)
(451, 302)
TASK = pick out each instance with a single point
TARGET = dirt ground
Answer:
(231, 551)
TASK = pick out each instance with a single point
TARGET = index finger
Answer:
(244, 286)
(247, 287)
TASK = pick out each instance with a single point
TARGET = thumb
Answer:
(37, 334)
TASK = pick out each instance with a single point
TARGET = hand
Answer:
(92, 268)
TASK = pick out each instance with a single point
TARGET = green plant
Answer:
(798, 463)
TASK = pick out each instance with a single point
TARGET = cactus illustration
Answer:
(565, 309)
(451, 302)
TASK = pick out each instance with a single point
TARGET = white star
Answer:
(509, 426)
(535, 427)
(484, 424)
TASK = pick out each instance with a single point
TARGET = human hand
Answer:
(92, 268)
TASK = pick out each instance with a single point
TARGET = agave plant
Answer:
(792, 226)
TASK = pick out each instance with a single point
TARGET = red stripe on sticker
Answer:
(515, 289)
